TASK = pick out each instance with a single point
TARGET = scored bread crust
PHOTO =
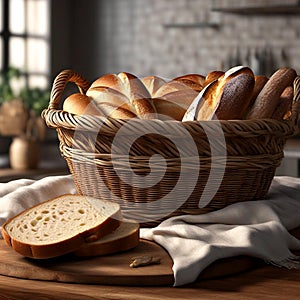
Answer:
(284, 107)
(227, 97)
(126, 90)
(125, 237)
(153, 83)
(63, 246)
(173, 105)
(269, 97)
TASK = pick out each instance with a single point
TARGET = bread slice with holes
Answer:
(60, 225)
(124, 238)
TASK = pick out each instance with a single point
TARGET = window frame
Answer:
(6, 35)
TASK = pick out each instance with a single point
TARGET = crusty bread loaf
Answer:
(212, 76)
(194, 81)
(284, 107)
(60, 225)
(173, 98)
(81, 104)
(269, 97)
(173, 105)
(225, 98)
(125, 237)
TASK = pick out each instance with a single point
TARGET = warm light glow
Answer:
(1, 17)
(17, 53)
(17, 16)
(37, 55)
(37, 20)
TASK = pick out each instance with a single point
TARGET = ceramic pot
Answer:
(24, 153)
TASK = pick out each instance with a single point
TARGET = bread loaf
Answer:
(194, 81)
(81, 104)
(172, 100)
(60, 225)
(225, 98)
(125, 237)
(174, 105)
(269, 97)
(212, 76)
(284, 107)
(153, 83)
(128, 85)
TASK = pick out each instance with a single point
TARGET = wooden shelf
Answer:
(260, 10)
(192, 25)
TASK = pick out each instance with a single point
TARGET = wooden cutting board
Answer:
(111, 269)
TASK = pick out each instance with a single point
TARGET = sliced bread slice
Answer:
(60, 225)
(125, 237)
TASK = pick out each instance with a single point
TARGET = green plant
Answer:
(6, 90)
(34, 98)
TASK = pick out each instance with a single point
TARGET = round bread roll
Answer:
(81, 104)
(138, 102)
(269, 97)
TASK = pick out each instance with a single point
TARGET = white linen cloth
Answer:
(18, 195)
(255, 228)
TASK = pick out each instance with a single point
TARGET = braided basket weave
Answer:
(156, 169)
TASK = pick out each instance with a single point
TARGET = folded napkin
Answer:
(254, 228)
(20, 194)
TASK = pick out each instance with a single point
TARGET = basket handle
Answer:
(296, 101)
(60, 83)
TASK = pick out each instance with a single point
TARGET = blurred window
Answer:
(24, 39)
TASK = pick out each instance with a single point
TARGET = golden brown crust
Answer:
(227, 97)
(153, 83)
(106, 95)
(109, 80)
(194, 81)
(80, 104)
(212, 76)
(111, 245)
(117, 112)
(269, 97)
(138, 96)
(174, 105)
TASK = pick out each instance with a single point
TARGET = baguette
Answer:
(125, 237)
(269, 97)
(60, 225)
(284, 107)
(225, 98)
(212, 76)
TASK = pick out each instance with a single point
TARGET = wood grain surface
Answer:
(111, 269)
(261, 282)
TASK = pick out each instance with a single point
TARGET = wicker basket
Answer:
(156, 169)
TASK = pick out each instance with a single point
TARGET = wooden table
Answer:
(262, 282)
(267, 282)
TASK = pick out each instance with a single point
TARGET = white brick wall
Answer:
(140, 43)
